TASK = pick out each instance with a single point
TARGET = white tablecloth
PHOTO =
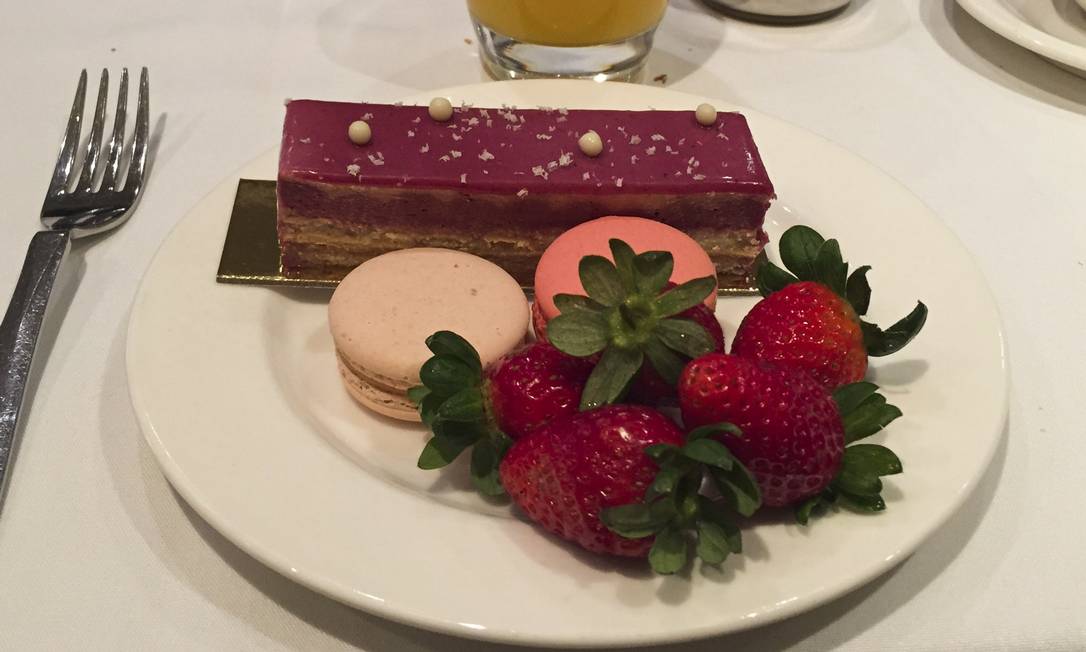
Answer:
(97, 552)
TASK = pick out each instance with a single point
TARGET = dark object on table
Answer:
(780, 12)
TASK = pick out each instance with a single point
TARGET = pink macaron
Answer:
(557, 272)
(383, 311)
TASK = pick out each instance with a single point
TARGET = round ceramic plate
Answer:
(237, 392)
(1054, 29)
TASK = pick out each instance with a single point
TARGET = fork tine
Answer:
(113, 156)
(70, 143)
(94, 143)
(136, 167)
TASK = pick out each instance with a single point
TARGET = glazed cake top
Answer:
(521, 151)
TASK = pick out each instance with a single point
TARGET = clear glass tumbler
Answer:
(603, 40)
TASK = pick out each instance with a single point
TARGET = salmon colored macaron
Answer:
(557, 272)
(383, 311)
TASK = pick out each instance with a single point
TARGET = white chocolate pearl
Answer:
(359, 132)
(591, 144)
(441, 109)
(706, 114)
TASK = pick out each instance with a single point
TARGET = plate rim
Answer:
(178, 479)
(997, 17)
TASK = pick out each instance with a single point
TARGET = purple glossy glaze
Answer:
(657, 152)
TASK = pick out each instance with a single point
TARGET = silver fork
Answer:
(80, 202)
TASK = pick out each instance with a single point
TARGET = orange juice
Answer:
(568, 23)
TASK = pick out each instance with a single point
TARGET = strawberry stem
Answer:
(626, 316)
(858, 483)
(452, 404)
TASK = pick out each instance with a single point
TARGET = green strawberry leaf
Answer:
(669, 552)
(737, 488)
(429, 406)
(611, 377)
(864, 503)
(666, 362)
(684, 296)
(653, 271)
(712, 545)
(574, 302)
(465, 405)
(869, 417)
(711, 452)
(851, 396)
(438, 453)
(448, 343)
(880, 343)
(667, 479)
(829, 268)
(806, 509)
(447, 375)
(685, 336)
(623, 255)
(771, 278)
(872, 458)
(639, 520)
(662, 453)
(485, 459)
(449, 440)
(857, 482)
(858, 291)
(716, 512)
(710, 429)
(816, 505)
(579, 333)
(799, 247)
(417, 393)
(601, 280)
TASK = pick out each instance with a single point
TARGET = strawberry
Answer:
(467, 406)
(794, 430)
(812, 320)
(530, 387)
(583, 478)
(563, 474)
(631, 321)
(807, 326)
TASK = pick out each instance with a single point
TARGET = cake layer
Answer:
(503, 183)
(329, 249)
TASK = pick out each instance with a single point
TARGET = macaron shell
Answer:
(383, 311)
(557, 270)
(396, 406)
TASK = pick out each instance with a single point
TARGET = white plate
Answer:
(1054, 29)
(237, 392)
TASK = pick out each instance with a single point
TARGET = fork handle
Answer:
(19, 335)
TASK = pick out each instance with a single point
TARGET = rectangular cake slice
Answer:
(503, 183)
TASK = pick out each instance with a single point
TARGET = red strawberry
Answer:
(793, 436)
(564, 473)
(530, 387)
(469, 407)
(810, 318)
(806, 325)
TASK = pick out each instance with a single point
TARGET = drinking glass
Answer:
(598, 39)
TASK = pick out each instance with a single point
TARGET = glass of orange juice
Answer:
(599, 39)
